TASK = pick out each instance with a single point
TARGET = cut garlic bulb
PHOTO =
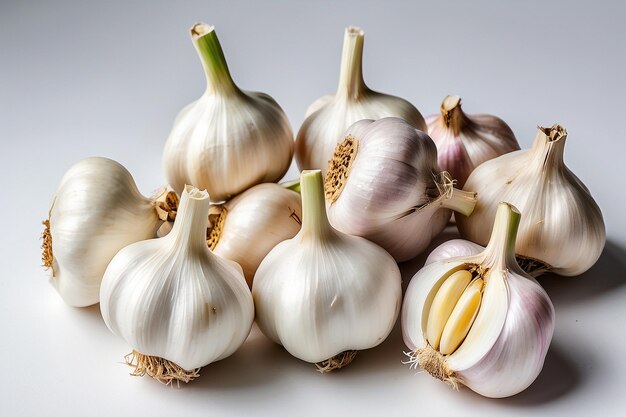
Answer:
(247, 227)
(324, 295)
(465, 141)
(229, 139)
(177, 304)
(329, 117)
(478, 319)
(384, 184)
(562, 229)
(96, 211)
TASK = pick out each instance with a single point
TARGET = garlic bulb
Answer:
(323, 295)
(229, 139)
(384, 184)
(562, 229)
(95, 212)
(479, 320)
(465, 141)
(177, 304)
(247, 227)
(329, 117)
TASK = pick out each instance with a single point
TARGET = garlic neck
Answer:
(548, 148)
(351, 83)
(210, 51)
(314, 219)
(452, 114)
(189, 231)
(452, 198)
(500, 251)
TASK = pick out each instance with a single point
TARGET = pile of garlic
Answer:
(182, 277)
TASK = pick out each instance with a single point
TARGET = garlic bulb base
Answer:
(46, 246)
(164, 371)
(336, 362)
(434, 363)
(533, 267)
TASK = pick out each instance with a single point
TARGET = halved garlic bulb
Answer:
(229, 139)
(323, 294)
(562, 229)
(384, 184)
(328, 117)
(176, 303)
(465, 141)
(479, 320)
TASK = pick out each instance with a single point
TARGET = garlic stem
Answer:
(191, 219)
(351, 83)
(460, 201)
(314, 219)
(548, 147)
(210, 51)
(453, 116)
(293, 185)
(500, 250)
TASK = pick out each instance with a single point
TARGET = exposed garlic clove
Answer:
(465, 141)
(229, 139)
(562, 229)
(329, 117)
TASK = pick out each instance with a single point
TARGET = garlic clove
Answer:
(461, 318)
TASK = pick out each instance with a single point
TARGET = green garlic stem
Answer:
(210, 51)
(314, 219)
(501, 247)
(460, 201)
(351, 82)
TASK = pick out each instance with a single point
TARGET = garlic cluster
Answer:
(177, 304)
(465, 141)
(229, 139)
(478, 319)
(384, 184)
(323, 295)
(96, 211)
(562, 229)
(329, 117)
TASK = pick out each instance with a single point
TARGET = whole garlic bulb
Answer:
(465, 141)
(323, 294)
(479, 320)
(96, 211)
(247, 227)
(328, 117)
(229, 139)
(562, 229)
(177, 304)
(384, 184)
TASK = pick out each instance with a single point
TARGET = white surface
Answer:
(104, 79)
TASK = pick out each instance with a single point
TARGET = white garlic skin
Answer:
(96, 211)
(172, 298)
(328, 117)
(229, 139)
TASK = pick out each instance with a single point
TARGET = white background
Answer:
(107, 78)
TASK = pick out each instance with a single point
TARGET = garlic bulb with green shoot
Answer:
(177, 304)
(229, 139)
(96, 211)
(562, 230)
(465, 141)
(323, 294)
(248, 226)
(383, 183)
(329, 117)
(479, 320)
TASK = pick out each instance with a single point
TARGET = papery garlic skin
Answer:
(229, 139)
(324, 292)
(328, 117)
(504, 351)
(392, 192)
(465, 141)
(249, 225)
(96, 211)
(562, 226)
(172, 298)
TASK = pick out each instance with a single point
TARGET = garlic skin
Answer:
(562, 226)
(465, 141)
(324, 294)
(504, 350)
(172, 299)
(328, 117)
(229, 139)
(247, 227)
(384, 184)
(96, 211)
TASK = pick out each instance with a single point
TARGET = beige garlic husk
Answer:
(96, 211)
(384, 184)
(328, 117)
(478, 319)
(247, 227)
(465, 141)
(562, 229)
(229, 139)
